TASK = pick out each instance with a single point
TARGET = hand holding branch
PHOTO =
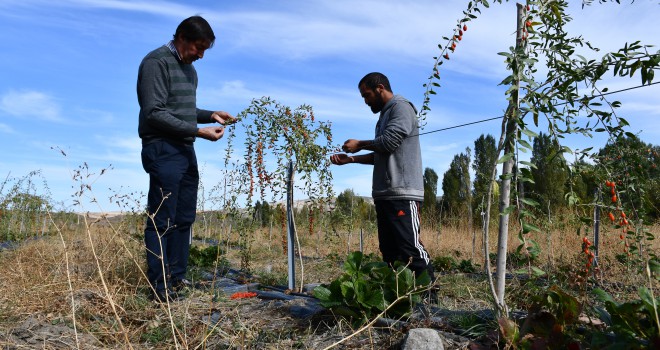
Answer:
(223, 117)
(351, 146)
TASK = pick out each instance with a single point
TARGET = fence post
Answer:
(291, 228)
(43, 227)
(596, 227)
(361, 241)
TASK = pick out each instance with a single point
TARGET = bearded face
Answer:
(373, 97)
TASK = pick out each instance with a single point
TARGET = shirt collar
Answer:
(170, 45)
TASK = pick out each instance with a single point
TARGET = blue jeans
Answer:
(172, 200)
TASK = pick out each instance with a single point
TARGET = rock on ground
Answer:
(422, 339)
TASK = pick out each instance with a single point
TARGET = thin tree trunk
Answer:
(550, 251)
(511, 126)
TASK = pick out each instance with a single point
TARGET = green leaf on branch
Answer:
(527, 227)
(529, 164)
(505, 158)
(525, 144)
(529, 133)
(654, 267)
(530, 201)
(508, 210)
(537, 272)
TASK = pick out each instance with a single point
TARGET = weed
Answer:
(273, 279)
(469, 324)
(466, 266)
(444, 263)
(207, 257)
(160, 333)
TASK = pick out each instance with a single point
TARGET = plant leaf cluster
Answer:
(367, 288)
(635, 323)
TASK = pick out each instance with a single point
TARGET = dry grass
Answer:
(58, 280)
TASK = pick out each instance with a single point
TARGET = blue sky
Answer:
(68, 72)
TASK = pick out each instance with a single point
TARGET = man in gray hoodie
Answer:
(398, 184)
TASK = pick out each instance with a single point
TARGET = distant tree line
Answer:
(557, 181)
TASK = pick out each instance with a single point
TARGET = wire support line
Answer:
(626, 89)
(500, 117)
(495, 118)
(457, 126)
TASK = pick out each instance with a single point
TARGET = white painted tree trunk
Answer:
(505, 189)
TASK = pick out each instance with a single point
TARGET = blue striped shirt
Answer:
(172, 48)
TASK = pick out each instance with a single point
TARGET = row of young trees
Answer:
(347, 212)
(555, 181)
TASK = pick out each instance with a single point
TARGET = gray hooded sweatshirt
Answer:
(397, 154)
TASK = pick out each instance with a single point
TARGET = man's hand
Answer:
(351, 146)
(211, 133)
(341, 159)
(223, 117)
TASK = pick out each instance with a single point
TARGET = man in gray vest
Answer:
(166, 89)
(398, 184)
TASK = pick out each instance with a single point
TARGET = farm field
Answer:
(536, 124)
(83, 288)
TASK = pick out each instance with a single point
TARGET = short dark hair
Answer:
(372, 80)
(195, 28)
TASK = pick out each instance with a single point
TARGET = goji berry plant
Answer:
(572, 98)
(274, 135)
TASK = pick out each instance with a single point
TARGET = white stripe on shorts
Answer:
(414, 213)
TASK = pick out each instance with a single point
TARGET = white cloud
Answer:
(330, 104)
(6, 129)
(29, 104)
(116, 149)
(390, 30)
(94, 117)
(441, 148)
(153, 7)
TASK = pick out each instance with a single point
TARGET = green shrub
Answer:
(466, 266)
(207, 257)
(366, 289)
(444, 263)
